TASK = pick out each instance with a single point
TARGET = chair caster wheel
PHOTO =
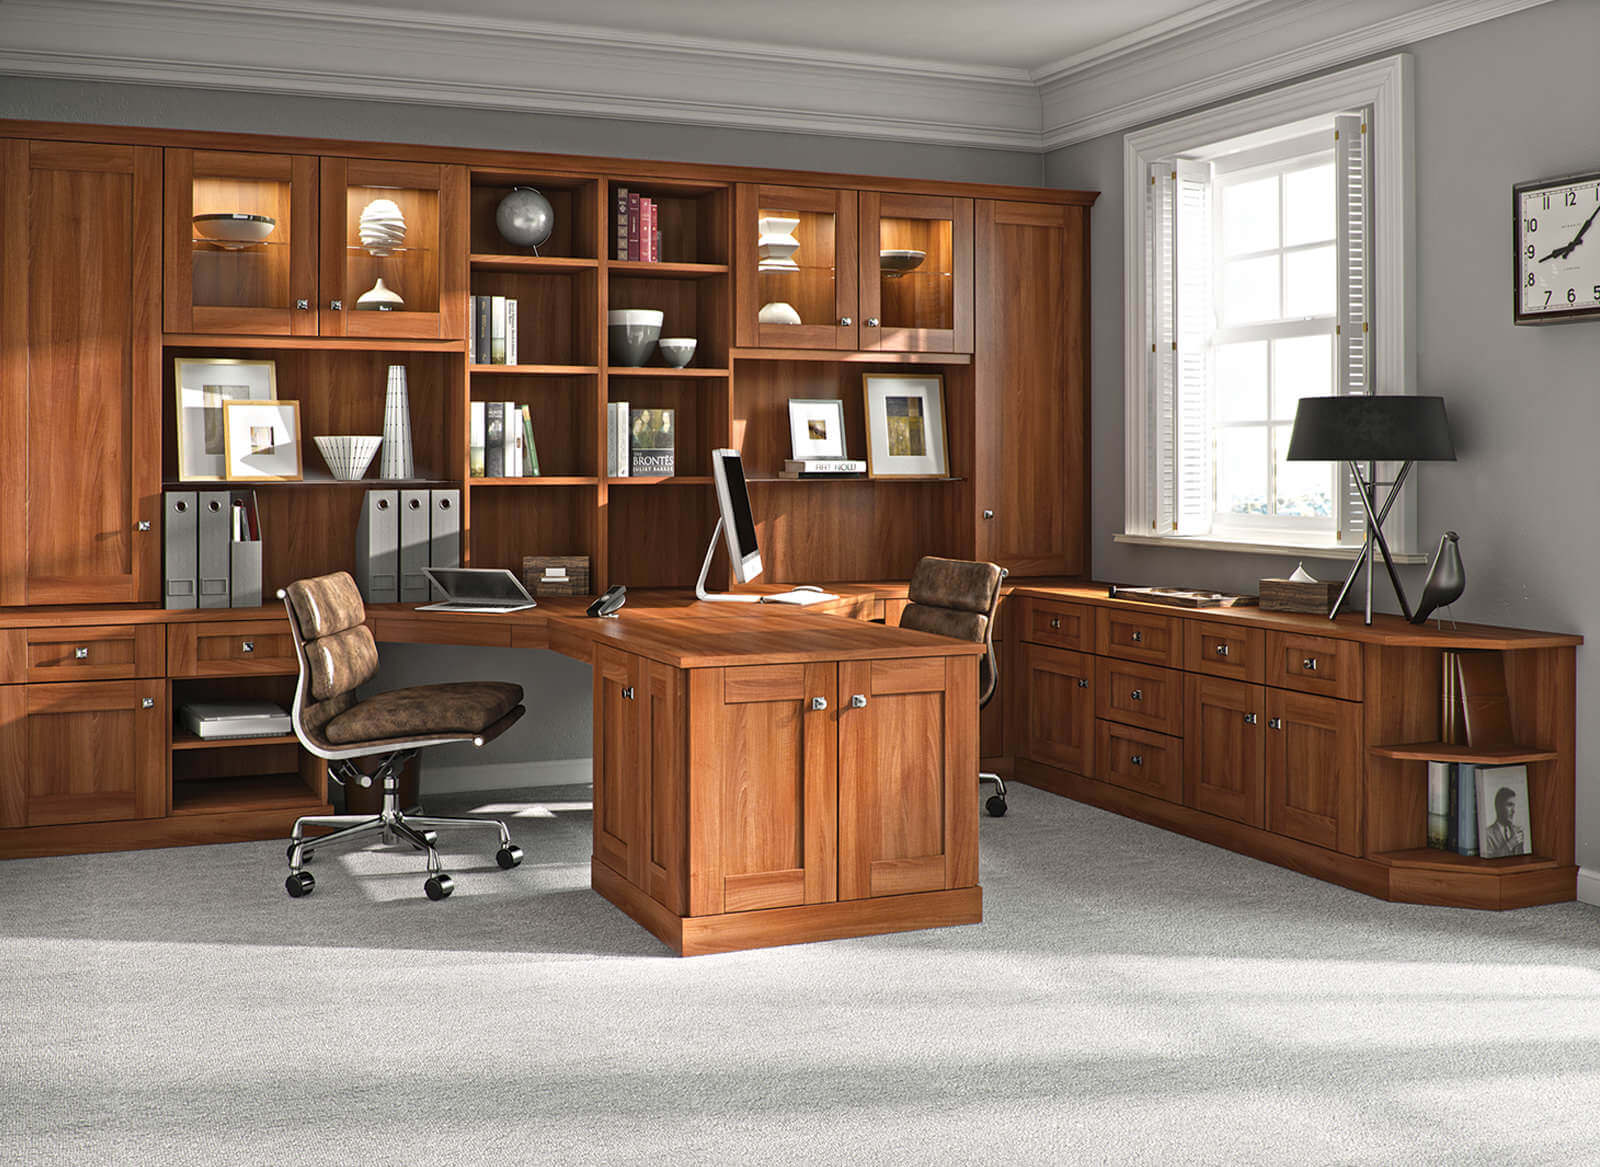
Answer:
(299, 884)
(996, 806)
(508, 857)
(305, 853)
(438, 886)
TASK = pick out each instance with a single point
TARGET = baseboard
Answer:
(1589, 886)
(506, 775)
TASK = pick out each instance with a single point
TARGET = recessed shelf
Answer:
(556, 264)
(183, 739)
(536, 480)
(1443, 752)
(663, 371)
(255, 792)
(666, 271)
(534, 370)
(662, 480)
(1433, 859)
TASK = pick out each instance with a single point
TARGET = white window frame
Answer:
(1385, 87)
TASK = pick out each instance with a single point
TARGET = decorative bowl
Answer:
(348, 455)
(632, 333)
(677, 351)
(234, 230)
(898, 261)
(382, 227)
(778, 312)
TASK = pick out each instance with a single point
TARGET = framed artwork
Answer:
(816, 427)
(204, 386)
(262, 440)
(905, 425)
(1504, 828)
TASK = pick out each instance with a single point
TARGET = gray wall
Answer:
(1497, 103)
(552, 744)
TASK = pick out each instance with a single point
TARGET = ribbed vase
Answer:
(397, 460)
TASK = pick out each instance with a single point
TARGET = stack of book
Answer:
(492, 339)
(638, 228)
(640, 443)
(1478, 810)
(823, 468)
(502, 443)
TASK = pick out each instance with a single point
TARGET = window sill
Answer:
(1277, 546)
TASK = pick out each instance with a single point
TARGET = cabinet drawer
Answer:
(1314, 664)
(1144, 636)
(1136, 759)
(1224, 651)
(1058, 625)
(1142, 695)
(112, 652)
(230, 648)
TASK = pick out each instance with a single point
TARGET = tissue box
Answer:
(1289, 595)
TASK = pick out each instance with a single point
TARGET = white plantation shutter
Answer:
(1352, 151)
(1196, 320)
(1161, 311)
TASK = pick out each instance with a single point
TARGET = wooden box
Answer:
(1289, 595)
(556, 575)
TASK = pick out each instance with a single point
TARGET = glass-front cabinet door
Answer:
(916, 273)
(796, 267)
(241, 243)
(394, 257)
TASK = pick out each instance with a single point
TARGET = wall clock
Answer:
(1557, 234)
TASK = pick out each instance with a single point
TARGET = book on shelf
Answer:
(494, 439)
(647, 245)
(511, 330)
(475, 447)
(1462, 828)
(620, 251)
(531, 457)
(617, 439)
(497, 330)
(651, 443)
(515, 451)
(823, 468)
(633, 225)
(481, 327)
(1440, 776)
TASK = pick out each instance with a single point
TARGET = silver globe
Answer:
(525, 217)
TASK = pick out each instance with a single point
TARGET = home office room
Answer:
(613, 582)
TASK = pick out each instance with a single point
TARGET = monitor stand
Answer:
(700, 592)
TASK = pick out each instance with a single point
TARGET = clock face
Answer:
(1558, 249)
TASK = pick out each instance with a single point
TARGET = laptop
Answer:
(477, 589)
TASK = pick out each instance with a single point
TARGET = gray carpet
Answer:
(1132, 997)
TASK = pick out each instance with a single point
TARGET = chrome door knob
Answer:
(1222, 650)
(627, 693)
(1137, 694)
(858, 701)
(846, 321)
(1083, 682)
(147, 703)
(988, 514)
(248, 646)
(1137, 759)
(1249, 718)
(819, 703)
(1274, 723)
(80, 654)
(1309, 664)
(336, 305)
(144, 524)
(302, 305)
(1138, 637)
(872, 322)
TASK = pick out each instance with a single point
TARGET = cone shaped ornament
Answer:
(397, 461)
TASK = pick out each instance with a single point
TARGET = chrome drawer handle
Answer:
(144, 524)
(819, 703)
(1274, 723)
(147, 703)
(1309, 664)
(1222, 650)
(1083, 682)
(248, 646)
(1249, 718)
(1138, 637)
(1137, 694)
(1055, 622)
(872, 322)
(988, 514)
(302, 305)
(627, 693)
(845, 321)
(1137, 759)
(336, 305)
(80, 653)
(858, 701)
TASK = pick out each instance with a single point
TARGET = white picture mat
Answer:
(880, 389)
(829, 411)
(202, 386)
(246, 424)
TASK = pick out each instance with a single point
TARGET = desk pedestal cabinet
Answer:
(765, 804)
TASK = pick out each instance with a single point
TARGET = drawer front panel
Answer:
(1142, 636)
(1135, 759)
(1220, 650)
(1314, 664)
(113, 652)
(231, 648)
(1141, 695)
(1058, 625)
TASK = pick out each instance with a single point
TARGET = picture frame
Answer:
(906, 435)
(1505, 825)
(263, 441)
(202, 387)
(816, 428)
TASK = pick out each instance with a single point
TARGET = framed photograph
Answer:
(262, 440)
(816, 427)
(905, 425)
(1503, 824)
(203, 387)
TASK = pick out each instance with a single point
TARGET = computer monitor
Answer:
(737, 525)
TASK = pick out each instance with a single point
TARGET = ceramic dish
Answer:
(676, 351)
(234, 230)
(896, 262)
(632, 334)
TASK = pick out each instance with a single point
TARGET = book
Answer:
(1481, 686)
(511, 330)
(482, 329)
(823, 468)
(617, 439)
(621, 249)
(532, 460)
(513, 448)
(1504, 825)
(497, 330)
(475, 460)
(651, 443)
(1464, 810)
(648, 231)
(1440, 775)
(633, 225)
(494, 439)
(472, 330)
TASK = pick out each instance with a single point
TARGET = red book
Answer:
(633, 225)
(650, 234)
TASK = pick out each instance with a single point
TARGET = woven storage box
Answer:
(556, 575)
(1292, 595)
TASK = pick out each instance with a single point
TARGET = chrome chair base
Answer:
(996, 806)
(394, 824)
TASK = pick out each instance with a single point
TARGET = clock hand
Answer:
(1563, 252)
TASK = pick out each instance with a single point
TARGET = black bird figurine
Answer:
(1447, 578)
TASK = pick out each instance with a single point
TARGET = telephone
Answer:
(615, 596)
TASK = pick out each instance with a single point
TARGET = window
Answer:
(1251, 276)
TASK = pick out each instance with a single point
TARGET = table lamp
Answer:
(1372, 429)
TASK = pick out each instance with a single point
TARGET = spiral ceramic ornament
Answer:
(383, 227)
(776, 245)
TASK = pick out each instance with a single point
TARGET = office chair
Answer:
(336, 654)
(954, 597)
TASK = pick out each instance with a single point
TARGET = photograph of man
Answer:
(1503, 836)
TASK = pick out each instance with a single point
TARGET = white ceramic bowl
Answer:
(898, 261)
(677, 351)
(778, 312)
(632, 333)
(234, 230)
(348, 455)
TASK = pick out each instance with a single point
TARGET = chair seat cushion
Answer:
(460, 709)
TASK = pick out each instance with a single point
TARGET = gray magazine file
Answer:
(444, 533)
(178, 509)
(415, 508)
(378, 547)
(216, 539)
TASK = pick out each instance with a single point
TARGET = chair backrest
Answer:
(958, 598)
(337, 652)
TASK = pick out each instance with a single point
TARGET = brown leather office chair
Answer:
(955, 597)
(337, 654)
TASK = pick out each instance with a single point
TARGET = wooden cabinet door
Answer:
(810, 294)
(1224, 743)
(82, 752)
(908, 768)
(427, 269)
(763, 766)
(907, 304)
(1314, 769)
(267, 288)
(1058, 692)
(1030, 371)
(618, 790)
(80, 362)
(663, 770)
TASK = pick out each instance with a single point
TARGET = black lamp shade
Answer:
(1371, 429)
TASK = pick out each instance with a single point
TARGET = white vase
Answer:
(382, 227)
(397, 460)
(380, 298)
